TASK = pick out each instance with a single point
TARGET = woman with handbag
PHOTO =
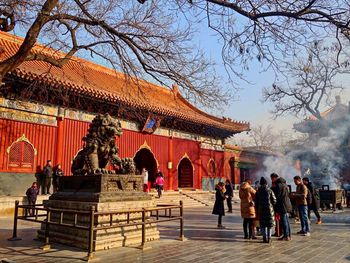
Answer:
(247, 195)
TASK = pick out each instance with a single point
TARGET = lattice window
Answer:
(21, 155)
(15, 155)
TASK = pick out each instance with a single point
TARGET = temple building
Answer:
(325, 156)
(45, 111)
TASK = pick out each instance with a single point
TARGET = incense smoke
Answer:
(322, 158)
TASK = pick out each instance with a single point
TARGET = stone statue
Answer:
(128, 166)
(100, 149)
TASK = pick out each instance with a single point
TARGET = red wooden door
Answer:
(185, 171)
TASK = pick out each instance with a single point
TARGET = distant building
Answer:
(325, 157)
(252, 163)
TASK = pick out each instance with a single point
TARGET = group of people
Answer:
(262, 206)
(49, 176)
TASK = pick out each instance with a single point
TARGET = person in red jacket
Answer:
(160, 183)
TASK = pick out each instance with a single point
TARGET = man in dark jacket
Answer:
(283, 205)
(229, 195)
(315, 200)
(32, 194)
(265, 201)
(47, 174)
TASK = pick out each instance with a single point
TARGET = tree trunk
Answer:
(29, 41)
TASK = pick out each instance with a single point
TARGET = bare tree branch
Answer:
(314, 82)
(153, 39)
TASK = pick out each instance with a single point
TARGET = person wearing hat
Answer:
(219, 208)
(265, 200)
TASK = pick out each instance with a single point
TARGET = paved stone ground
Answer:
(329, 242)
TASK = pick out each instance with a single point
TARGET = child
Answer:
(219, 203)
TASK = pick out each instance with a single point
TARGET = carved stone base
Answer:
(106, 193)
(103, 239)
(101, 188)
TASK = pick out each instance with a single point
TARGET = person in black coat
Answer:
(229, 195)
(219, 203)
(47, 174)
(283, 205)
(265, 201)
(32, 194)
(314, 206)
(57, 174)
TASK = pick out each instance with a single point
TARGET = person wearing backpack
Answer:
(312, 200)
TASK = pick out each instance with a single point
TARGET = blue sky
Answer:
(248, 104)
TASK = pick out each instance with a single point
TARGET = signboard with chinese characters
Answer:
(151, 124)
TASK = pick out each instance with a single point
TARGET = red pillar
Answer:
(170, 163)
(237, 175)
(199, 173)
(59, 141)
(200, 168)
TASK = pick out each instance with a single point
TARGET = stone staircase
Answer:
(189, 198)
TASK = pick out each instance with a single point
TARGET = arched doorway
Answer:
(144, 158)
(185, 173)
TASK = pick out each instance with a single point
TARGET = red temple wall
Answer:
(185, 149)
(43, 137)
(131, 141)
(217, 157)
(73, 132)
(165, 149)
(230, 170)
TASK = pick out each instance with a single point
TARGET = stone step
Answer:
(174, 197)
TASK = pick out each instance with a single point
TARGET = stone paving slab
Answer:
(329, 242)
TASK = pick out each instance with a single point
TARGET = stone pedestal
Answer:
(105, 192)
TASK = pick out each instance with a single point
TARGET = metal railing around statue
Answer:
(40, 214)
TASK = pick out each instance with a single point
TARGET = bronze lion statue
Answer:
(100, 149)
